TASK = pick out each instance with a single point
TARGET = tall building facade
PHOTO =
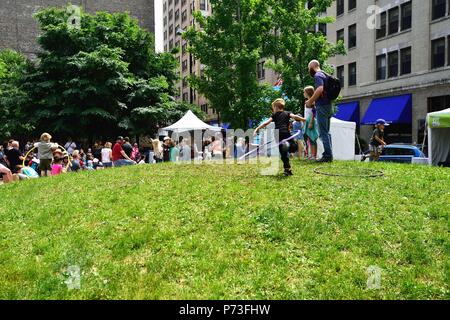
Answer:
(397, 64)
(18, 29)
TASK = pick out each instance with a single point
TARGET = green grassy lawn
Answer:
(226, 232)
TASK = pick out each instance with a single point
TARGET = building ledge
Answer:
(440, 19)
(390, 36)
(406, 76)
(397, 90)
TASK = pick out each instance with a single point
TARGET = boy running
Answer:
(281, 119)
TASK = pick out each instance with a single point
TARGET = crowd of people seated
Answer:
(45, 158)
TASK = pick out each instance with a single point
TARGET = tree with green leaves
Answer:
(296, 40)
(229, 44)
(12, 67)
(99, 77)
(239, 34)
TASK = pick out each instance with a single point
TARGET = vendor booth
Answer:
(439, 137)
(343, 135)
(190, 122)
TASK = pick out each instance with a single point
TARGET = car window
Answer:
(398, 152)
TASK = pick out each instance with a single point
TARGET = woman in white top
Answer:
(107, 155)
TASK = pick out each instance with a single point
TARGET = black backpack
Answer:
(333, 87)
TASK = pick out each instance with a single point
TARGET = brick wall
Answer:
(18, 29)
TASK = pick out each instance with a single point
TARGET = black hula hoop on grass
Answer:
(363, 173)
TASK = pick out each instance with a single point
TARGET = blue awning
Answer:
(395, 110)
(348, 111)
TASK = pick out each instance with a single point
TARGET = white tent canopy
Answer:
(343, 140)
(190, 122)
(439, 136)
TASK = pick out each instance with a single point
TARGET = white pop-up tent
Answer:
(439, 137)
(190, 122)
(343, 135)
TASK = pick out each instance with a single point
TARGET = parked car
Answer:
(400, 153)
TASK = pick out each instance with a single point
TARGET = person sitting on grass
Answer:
(45, 154)
(66, 163)
(377, 143)
(120, 158)
(77, 164)
(57, 166)
(13, 156)
(281, 119)
(107, 155)
(6, 173)
(26, 173)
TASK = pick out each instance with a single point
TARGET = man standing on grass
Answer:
(323, 107)
(119, 156)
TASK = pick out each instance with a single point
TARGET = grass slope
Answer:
(225, 232)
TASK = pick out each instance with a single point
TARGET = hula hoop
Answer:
(34, 148)
(365, 173)
(278, 144)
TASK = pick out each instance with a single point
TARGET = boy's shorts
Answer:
(45, 165)
(376, 149)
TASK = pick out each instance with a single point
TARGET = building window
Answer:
(185, 97)
(393, 20)
(351, 5)
(340, 35)
(261, 71)
(170, 14)
(439, 8)
(341, 75)
(170, 44)
(352, 36)
(436, 104)
(203, 5)
(405, 61)
(406, 15)
(381, 30)
(352, 74)
(448, 53)
(204, 108)
(340, 7)
(184, 48)
(323, 28)
(184, 65)
(381, 67)
(184, 16)
(393, 64)
(185, 82)
(438, 53)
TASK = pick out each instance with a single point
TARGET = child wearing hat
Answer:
(377, 142)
